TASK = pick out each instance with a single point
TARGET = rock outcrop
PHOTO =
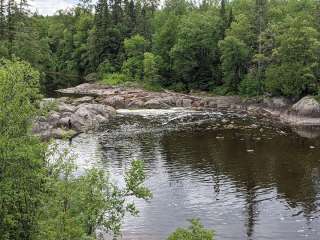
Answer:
(305, 112)
(69, 119)
(88, 105)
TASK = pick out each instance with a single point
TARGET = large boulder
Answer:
(308, 107)
(89, 116)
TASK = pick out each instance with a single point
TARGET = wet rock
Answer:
(229, 126)
(307, 132)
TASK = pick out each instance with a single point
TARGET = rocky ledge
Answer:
(70, 117)
(86, 106)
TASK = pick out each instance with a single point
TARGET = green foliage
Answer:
(249, 86)
(195, 53)
(42, 195)
(183, 45)
(195, 232)
(150, 68)
(21, 155)
(77, 206)
(133, 66)
(293, 71)
(114, 79)
(234, 60)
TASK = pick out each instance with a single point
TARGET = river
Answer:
(244, 177)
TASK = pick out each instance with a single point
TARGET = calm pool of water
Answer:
(243, 177)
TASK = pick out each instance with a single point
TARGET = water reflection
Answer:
(200, 166)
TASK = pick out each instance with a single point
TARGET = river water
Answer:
(242, 176)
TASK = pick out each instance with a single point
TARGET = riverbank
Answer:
(85, 107)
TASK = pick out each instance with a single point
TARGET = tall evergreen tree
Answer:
(261, 22)
(2, 20)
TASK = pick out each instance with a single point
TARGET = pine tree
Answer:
(129, 17)
(102, 22)
(261, 21)
(2, 20)
(11, 23)
(224, 18)
(116, 11)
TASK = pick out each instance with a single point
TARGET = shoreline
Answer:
(86, 106)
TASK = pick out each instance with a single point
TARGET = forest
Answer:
(246, 47)
(250, 48)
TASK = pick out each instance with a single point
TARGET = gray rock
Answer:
(90, 116)
(156, 103)
(171, 101)
(86, 99)
(276, 102)
(187, 103)
(114, 101)
(307, 106)
(53, 118)
(179, 102)
(136, 104)
(63, 107)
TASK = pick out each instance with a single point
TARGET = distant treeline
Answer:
(249, 47)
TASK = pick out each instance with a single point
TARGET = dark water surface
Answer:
(241, 176)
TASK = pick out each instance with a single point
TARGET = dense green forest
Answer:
(249, 47)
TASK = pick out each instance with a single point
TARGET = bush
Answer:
(178, 87)
(195, 232)
(150, 68)
(104, 69)
(249, 86)
(221, 90)
(291, 80)
(114, 79)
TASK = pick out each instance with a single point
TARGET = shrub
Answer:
(249, 86)
(195, 232)
(114, 78)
